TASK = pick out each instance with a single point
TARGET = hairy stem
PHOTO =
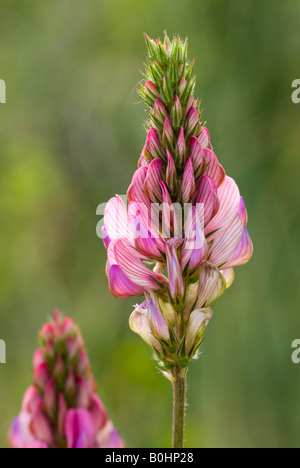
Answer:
(179, 403)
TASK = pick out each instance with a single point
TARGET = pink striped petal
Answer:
(194, 251)
(138, 211)
(115, 219)
(168, 133)
(192, 121)
(213, 168)
(225, 243)
(98, 413)
(136, 189)
(228, 274)
(134, 268)
(41, 427)
(181, 147)
(143, 161)
(204, 138)
(242, 253)
(229, 197)
(152, 182)
(197, 156)
(212, 285)
(188, 182)
(153, 146)
(208, 196)
(175, 274)
(121, 286)
(79, 429)
(171, 172)
(146, 244)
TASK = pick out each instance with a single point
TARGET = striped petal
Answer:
(136, 189)
(115, 219)
(152, 182)
(181, 147)
(212, 285)
(171, 172)
(188, 182)
(204, 138)
(225, 243)
(194, 251)
(197, 156)
(229, 197)
(242, 253)
(213, 168)
(120, 285)
(208, 196)
(175, 274)
(134, 268)
(243, 211)
(146, 244)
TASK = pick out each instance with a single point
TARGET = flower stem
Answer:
(179, 403)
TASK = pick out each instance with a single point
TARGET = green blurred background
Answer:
(71, 134)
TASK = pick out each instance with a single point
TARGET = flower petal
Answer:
(197, 155)
(214, 168)
(212, 285)
(225, 243)
(152, 182)
(204, 138)
(188, 182)
(79, 429)
(121, 286)
(136, 189)
(229, 197)
(115, 219)
(228, 274)
(208, 196)
(242, 253)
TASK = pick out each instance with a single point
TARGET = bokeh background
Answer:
(71, 133)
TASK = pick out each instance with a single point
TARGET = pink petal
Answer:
(229, 197)
(197, 156)
(36, 444)
(120, 285)
(174, 274)
(79, 429)
(114, 440)
(242, 253)
(188, 182)
(115, 219)
(134, 268)
(41, 427)
(225, 243)
(136, 189)
(146, 244)
(192, 121)
(181, 146)
(98, 413)
(171, 172)
(194, 250)
(204, 138)
(19, 434)
(153, 146)
(208, 196)
(214, 168)
(152, 182)
(211, 285)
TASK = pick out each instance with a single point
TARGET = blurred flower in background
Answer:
(61, 409)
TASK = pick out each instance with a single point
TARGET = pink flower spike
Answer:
(171, 172)
(157, 323)
(204, 138)
(188, 182)
(197, 156)
(208, 196)
(181, 147)
(153, 178)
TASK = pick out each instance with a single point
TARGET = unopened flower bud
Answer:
(157, 323)
(199, 320)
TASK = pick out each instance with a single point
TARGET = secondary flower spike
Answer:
(61, 409)
(183, 228)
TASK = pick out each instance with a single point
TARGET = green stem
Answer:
(179, 403)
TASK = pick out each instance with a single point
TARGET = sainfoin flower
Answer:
(61, 409)
(182, 229)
